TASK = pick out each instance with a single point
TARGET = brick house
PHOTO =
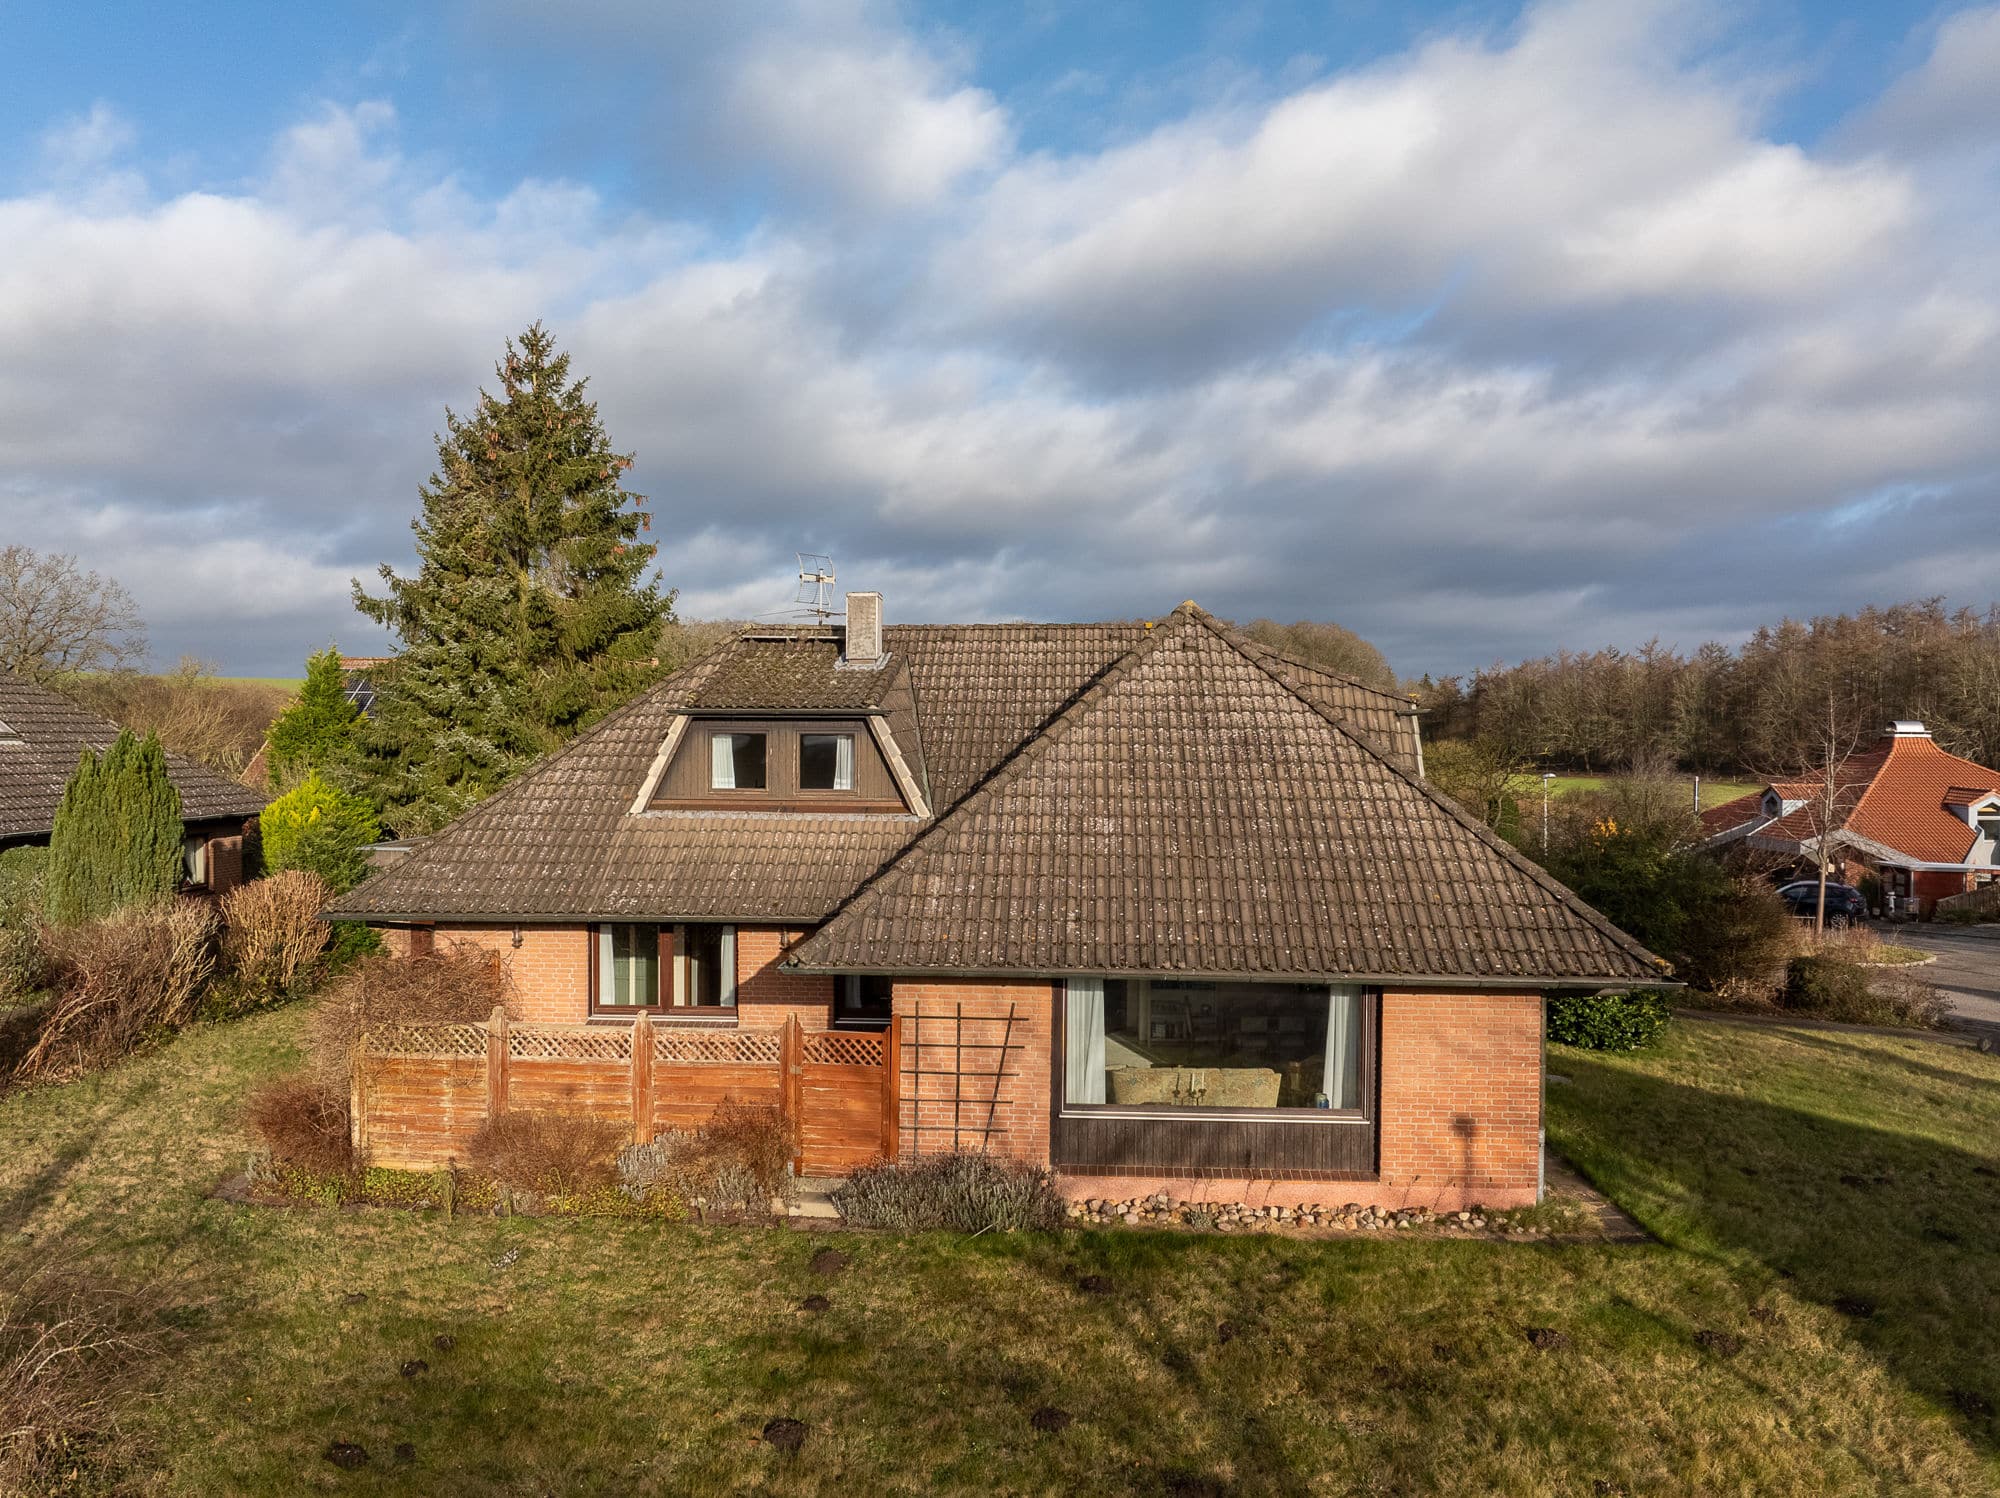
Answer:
(1924, 822)
(1139, 902)
(43, 734)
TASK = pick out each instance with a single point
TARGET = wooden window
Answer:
(670, 970)
(826, 761)
(736, 761)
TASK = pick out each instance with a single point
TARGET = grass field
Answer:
(600, 1357)
(1713, 792)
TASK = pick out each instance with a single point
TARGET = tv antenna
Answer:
(815, 585)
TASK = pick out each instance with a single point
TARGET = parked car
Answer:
(1845, 905)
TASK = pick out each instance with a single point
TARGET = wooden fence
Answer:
(422, 1091)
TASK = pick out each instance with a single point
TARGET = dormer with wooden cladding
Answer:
(798, 763)
(816, 720)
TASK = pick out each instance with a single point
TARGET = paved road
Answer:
(1967, 970)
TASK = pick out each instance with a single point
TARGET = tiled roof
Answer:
(1727, 816)
(1193, 812)
(1903, 806)
(792, 671)
(558, 841)
(1281, 837)
(48, 734)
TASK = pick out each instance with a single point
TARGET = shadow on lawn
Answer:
(1897, 1235)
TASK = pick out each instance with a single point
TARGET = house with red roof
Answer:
(1925, 822)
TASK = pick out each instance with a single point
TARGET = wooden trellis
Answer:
(965, 1111)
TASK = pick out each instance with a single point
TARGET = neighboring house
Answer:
(43, 734)
(1145, 903)
(1923, 821)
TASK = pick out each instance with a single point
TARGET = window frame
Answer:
(673, 945)
(799, 785)
(761, 734)
(1371, 1011)
(842, 1020)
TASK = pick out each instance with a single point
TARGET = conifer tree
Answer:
(117, 834)
(318, 730)
(532, 612)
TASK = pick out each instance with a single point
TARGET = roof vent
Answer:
(1908, 728)
(864, 629)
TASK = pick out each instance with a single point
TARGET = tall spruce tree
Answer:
(318, 730)
(531, 614)
(117, 834)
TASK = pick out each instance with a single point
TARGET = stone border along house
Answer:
(43, 734)
(1148, 903)
(1926, 823)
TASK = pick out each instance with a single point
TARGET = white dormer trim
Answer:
(913, 795)
(675, 731)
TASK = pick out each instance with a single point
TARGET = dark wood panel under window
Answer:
(686, 780)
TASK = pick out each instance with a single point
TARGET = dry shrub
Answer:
(967, 1191)
(1910, 998)
(740, 1160)
(449, 988)
(303, 1124)
(273, 933)
(557, 1153)
(1834, 988)
(119, 981)
(73, 1350)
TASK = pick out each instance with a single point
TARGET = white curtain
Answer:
(1343, 1046)
(843, 762)
(722, 762)
(1083, 1049)
(727, 986)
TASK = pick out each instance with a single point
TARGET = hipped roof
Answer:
(1111, 797)
(48, 734)
(1193, 813)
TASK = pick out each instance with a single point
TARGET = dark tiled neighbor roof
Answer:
(1193, 813)
(48, 734)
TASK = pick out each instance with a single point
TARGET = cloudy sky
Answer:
(1482, 329)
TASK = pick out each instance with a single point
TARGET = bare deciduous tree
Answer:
(1821, 776)
(57, 619)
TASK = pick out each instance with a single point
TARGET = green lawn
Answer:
(618, 1358)
(1713, 792)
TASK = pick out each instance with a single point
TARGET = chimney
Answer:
(864, 629)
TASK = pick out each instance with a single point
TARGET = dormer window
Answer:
(826, 761)
(736, 762)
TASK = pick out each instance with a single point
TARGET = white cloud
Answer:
(1493, 338)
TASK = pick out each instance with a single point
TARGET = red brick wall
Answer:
(766, 997)
(551, 973)
(1018, 1104)
(1937, 884)
(1461, 1104)
(549, 969)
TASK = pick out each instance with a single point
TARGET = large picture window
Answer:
(1160, 1044)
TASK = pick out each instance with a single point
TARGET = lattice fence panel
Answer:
(719, 1047)
(570, 1043)
(426, 1040)
(843, 1048)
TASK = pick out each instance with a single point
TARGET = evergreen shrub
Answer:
(1609, 1021)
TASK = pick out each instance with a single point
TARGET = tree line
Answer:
(1753, 710)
